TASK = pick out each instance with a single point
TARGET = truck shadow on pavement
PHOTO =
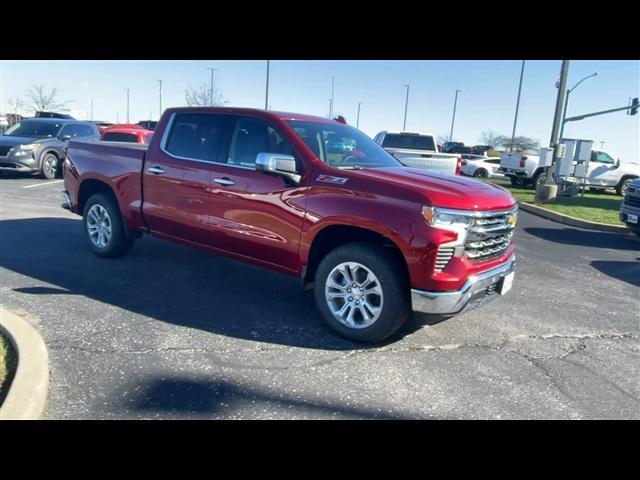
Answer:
(626, 271)
(586, 238)
(170, 283)
(181, 398)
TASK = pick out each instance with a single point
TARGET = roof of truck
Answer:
(262, 112)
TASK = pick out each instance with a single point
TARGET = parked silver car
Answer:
(37, 144)
(630, 207)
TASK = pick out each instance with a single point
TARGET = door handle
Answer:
(224, 181)
(156, 170)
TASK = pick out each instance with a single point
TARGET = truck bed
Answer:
(441, 162)
(120, 166)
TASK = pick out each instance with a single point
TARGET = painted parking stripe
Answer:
(42, 184)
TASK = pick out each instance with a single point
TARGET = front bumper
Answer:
(20, 163)
(477, 290)
(625, 211)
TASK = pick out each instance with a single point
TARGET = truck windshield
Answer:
(342, 146)
(413, 142)
(35, 129)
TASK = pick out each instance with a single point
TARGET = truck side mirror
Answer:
(64, 138)
(278, 164)
(618, 163)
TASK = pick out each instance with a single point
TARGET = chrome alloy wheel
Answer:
(354, 295)
(50, 164)
(99, 226)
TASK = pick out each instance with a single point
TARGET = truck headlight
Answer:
(446, 219)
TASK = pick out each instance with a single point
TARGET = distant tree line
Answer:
(520, 142)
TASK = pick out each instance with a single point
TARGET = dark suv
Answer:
(37, 144)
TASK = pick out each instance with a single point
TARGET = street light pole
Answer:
(160, 95)
(566, 101)
(127, 105)
(515, 119)
(406, 106)
(332, 91)
(211, 86)
(455, 103)
(358, 117)
(91, 109)
(266, 97)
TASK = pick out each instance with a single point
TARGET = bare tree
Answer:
(201, 96)
(521, 143)
(38, 99)
(491, 138)
(442, 139)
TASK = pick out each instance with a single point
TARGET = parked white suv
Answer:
(603, 172)
(418, 150)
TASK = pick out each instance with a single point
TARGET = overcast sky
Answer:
(487, 102)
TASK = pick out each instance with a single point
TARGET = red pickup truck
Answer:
(307, 196)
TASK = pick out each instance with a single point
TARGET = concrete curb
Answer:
(28, 391)
(572, 221)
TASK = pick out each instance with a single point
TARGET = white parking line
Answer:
(43, 183)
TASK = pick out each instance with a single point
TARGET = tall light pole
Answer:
(91, 109)
(358, 117)
(515, 119)
(602, 142)
(127, 105)
(566, 101)
(266, 97)
(455, 104)
(211, 85)
(331, 106)
(406, 106)
(160, 99)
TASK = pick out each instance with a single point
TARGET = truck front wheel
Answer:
(362, 292)
(104, 230)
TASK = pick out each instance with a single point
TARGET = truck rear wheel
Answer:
(104, 230)
(621, 188)
(362, 292)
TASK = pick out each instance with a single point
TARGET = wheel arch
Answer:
(334, 235)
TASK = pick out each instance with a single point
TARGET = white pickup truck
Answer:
(603, 172)
(418, 150)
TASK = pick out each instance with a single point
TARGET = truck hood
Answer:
(443, 190)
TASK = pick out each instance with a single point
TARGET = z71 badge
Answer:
(331, 179)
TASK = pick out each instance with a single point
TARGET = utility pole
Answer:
(211, 85)
(160, 99)
(331, 106)
(548, 190)
(406, 106)
(91, 109)
(515, 119)
(358, 117)
(330, 101)
(127, 105)
(455, 103)
(266, 97)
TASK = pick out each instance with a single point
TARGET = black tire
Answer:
(386, 266)
(516, 182)
(538, 178)
(121, 240)
(621, 188)
(481, 173)
(50, 167)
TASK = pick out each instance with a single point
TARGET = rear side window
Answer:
(196, 137)
(416, 142)
(119, 137)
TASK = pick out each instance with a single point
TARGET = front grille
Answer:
(633, 201)
(442, 258)
(4, 149)
(488, 236)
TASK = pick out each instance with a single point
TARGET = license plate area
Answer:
(506, 283)
(632, 218)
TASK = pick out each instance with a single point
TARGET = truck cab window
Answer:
(196, 137)
(251, 137)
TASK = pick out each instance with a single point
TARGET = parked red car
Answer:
(125, 132)
(373, 239)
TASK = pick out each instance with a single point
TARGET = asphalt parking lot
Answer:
(171, 332)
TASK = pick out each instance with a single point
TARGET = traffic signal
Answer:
(634, 106)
